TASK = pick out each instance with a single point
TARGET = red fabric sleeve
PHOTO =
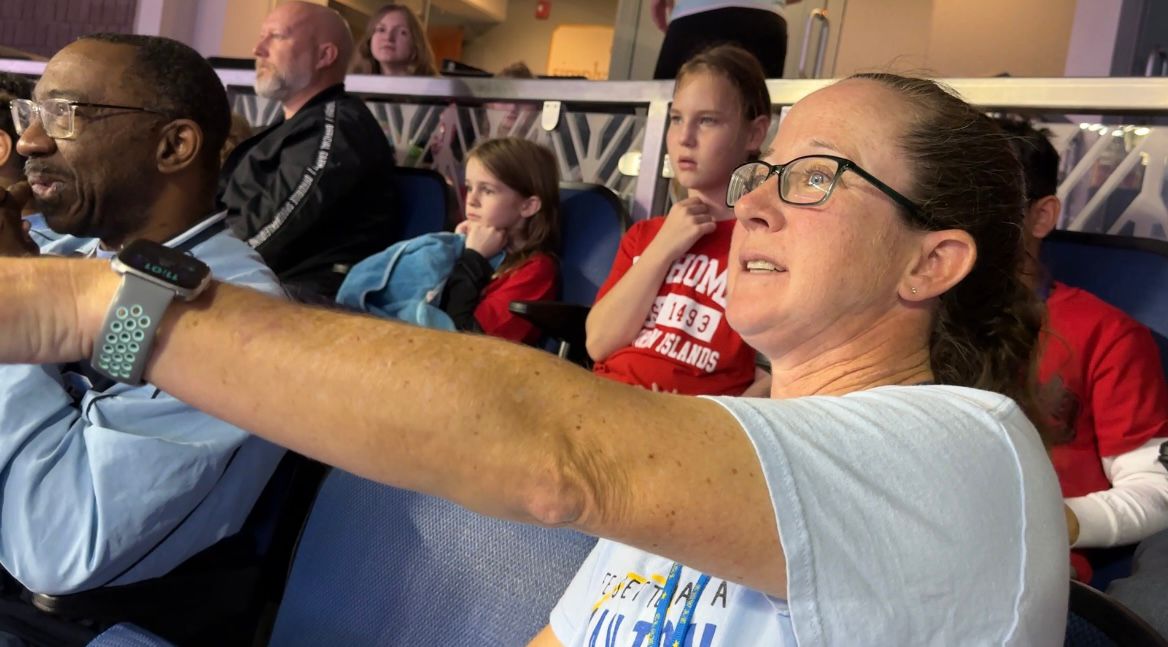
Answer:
(1128, 390)
(535, 280)
(635, 240)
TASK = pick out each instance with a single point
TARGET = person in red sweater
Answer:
(512, 208)
(1102, 372)
(660, 318)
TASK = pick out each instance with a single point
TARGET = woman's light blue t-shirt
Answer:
(925, 515)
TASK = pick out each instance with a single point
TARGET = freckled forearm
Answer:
(501, 428)
(403, 405)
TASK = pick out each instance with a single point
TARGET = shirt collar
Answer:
(93, 249)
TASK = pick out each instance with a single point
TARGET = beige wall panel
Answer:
(988, 37)
(884, 36)
(524, 38)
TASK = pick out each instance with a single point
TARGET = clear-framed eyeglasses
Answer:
(806, 181)
(58, 116)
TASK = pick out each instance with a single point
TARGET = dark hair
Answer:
(180, 83)
(423, 62)
(516, 70)
(12, 86)
(742, 70)
(530, 170)
(1040, 161)
(965, 176)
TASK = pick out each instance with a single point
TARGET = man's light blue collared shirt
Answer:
(117, 486)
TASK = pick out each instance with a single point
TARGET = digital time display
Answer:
(165, 264)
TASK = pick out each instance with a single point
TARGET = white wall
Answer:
(1092, 42)
(207, 31)
(213, 27)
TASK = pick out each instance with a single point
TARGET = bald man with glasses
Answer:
(104, 483)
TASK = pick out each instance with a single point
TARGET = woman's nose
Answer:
(760, 209)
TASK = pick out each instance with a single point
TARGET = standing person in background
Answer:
(311, 192)
(690, 26)
(660, 317)
(395, 45)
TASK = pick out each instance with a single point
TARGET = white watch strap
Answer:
(121, 350)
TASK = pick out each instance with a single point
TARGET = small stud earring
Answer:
(914, 290)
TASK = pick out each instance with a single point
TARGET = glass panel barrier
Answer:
(1113, 161)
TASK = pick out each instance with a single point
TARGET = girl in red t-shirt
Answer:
(512, 207)
(659, 319)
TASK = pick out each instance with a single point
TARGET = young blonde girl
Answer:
(659, 319)
(512, 209)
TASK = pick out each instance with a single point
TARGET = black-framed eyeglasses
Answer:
(806, 181)
(58, 116)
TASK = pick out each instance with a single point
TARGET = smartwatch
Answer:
(152, 276)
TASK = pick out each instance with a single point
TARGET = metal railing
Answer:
(647, 103)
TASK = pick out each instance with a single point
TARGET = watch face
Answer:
(164, 264)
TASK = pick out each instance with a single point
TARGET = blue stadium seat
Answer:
(382, 566)
(1129, 273)
(1095, 619)
(593, 219)
(426, 201)
(128, 635)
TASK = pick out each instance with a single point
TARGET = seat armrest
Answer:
(558, 320)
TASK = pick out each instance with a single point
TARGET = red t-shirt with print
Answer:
(686, 343)
(534, 280)
(1105, 369)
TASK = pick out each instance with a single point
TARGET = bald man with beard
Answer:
(309, 192)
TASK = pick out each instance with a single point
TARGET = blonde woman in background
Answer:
(394, 44)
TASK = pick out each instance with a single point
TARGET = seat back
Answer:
(1129, 273)
(425, 201)
(592, 219)
(378, 565)
(1095, 619)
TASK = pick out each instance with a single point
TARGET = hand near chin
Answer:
(14, 238)
(687, 221)
(484, 239)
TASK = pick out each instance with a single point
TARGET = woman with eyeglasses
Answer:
(891, 491)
